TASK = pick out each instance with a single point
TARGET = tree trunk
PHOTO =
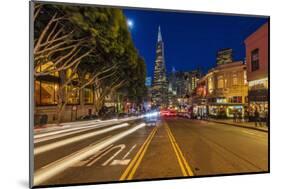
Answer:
(62, 100)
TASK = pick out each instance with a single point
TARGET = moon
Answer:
(130, 23)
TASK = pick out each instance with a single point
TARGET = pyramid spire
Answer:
(159, 34)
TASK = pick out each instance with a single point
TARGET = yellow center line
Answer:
(185, 167)
(131, 169)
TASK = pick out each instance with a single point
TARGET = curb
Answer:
(236, 125)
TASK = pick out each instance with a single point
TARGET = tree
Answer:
(89, 41)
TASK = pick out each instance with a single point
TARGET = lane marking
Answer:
(185, 167)
(128, 153)
(120, 162)
(44, 174)
(54, 145)
(121, 146)
(131, 169)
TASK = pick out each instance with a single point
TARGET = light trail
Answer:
(54, 133)
(67, 141)
(44, 174)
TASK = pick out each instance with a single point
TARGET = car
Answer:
(168, 113)
(151, 118)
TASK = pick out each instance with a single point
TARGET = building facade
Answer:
(224, 56)
(160, 83)
(257, 70)
(46, 90)
(191, 79)
(223, 91)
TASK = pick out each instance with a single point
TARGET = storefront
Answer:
(226, 110)
(258, 98)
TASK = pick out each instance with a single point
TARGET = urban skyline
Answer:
(189, 35)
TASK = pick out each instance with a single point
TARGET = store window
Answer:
(46, 93)
(237, 99)
(73, 95)
(258, 84)
(88, 96)
(255, 60)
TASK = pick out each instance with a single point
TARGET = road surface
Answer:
(127, 149)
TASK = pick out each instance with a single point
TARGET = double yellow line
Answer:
(131, 169)
(185, 168)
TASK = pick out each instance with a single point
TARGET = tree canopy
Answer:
(90, 41)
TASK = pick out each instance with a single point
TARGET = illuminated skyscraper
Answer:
(160, 83)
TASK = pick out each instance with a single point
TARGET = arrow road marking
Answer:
(121, 146)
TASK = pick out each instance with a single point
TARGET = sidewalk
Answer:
(249, 125)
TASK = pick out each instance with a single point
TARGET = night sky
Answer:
(191, 40)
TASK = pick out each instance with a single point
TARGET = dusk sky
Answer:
(190, 40)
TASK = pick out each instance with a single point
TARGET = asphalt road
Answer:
(129, 150)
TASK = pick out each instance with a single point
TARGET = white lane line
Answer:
(47, 147)
(70, 132)
(121, 146)
(128, 153)
(44, 174)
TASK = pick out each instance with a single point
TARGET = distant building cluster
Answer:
(230, 88)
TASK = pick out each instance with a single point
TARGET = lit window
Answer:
(210, 85)
(234, 79)
(73, 95)
(245, 77)
(46, 93)
(69, 74)
(220, 82)
(47, 67)
(88, 96)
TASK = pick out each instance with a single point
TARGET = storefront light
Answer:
(263, 81)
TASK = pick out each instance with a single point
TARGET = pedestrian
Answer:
(266, 118)
(240, 116)
(257, 117)
(246, 115)
(234, 116)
